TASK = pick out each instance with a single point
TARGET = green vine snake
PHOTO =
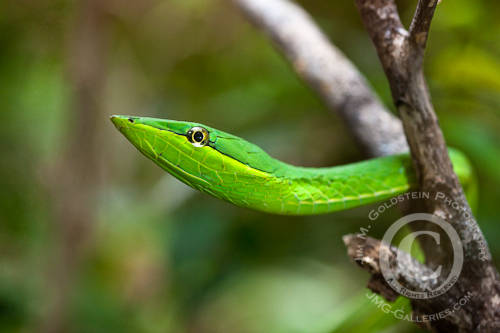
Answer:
(235, 170)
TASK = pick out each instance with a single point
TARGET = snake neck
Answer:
(295, 190)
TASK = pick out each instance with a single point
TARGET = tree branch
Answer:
(328, 72)
(365, 251)
(344, 90)
(401, 54)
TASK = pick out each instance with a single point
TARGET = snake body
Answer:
(235, 170)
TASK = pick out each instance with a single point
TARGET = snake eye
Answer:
(198, 136)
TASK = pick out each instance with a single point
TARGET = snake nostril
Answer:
(131, 120)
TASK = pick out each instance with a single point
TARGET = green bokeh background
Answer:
(160, 257)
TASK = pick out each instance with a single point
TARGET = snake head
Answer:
(202, 157)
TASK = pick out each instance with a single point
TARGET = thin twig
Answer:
(419, 28)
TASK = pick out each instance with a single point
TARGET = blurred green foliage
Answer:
(164, 258)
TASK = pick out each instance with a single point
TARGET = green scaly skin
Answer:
(238, 171)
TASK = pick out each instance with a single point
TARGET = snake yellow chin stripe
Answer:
(235, 170)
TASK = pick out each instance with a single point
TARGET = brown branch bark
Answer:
(365, 251)
(328, 72)
(401, 54)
